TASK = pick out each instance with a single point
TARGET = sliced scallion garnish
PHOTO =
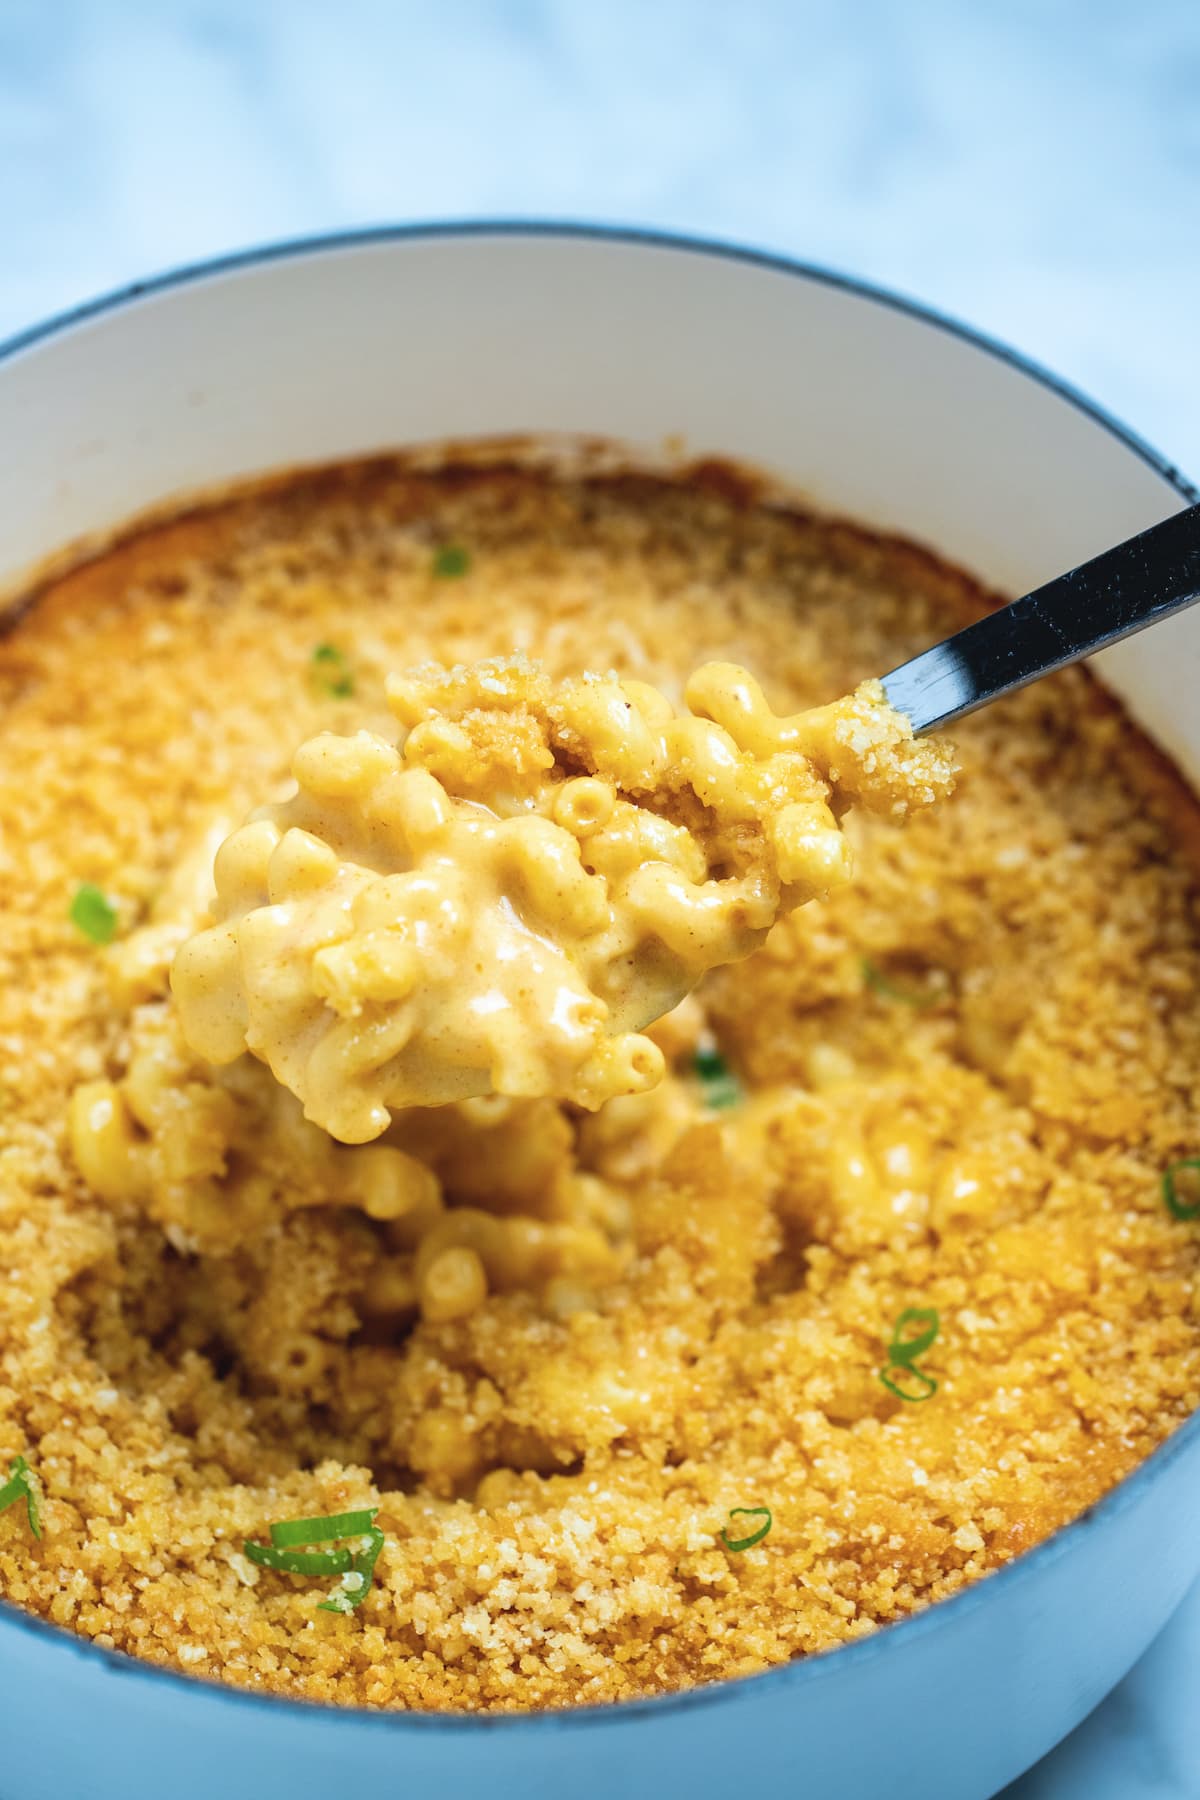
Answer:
(906, 1344)
(755, 1537)
(299, 1562)
(925, 1384)
(450, 561)
(355, 1567)
(903, 1351)
(23, 1484)
(333, 671)
(1181, 1209)
(324, 1529)
(887, 989)
(93, 913)
(719, 1084)
(357, 1580)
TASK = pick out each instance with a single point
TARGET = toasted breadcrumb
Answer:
(554, 1468)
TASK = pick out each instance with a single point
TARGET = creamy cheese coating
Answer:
(504, 899)
(556, 1348)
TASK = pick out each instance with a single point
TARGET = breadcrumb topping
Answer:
(675, 1312)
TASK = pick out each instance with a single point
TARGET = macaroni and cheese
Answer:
(505, 899)
(553, 1349)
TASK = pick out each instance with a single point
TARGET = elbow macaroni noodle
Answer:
(219, 1155)
(502, 902)
(525, 1330)
(534, 872)
(216, 1156)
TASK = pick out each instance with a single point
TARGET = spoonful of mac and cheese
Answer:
(503, 899)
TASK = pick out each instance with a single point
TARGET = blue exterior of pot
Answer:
(948, 1705)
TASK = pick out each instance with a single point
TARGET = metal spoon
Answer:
(1143, 580)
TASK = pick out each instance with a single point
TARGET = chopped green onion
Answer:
(904, 1347)
(720, 1085)
(1180, 1209)
(299, 1562)
(23, 1484)
(756, 1537)
(333, 671)
(93, 913)
(357, 1581)
(355, 1567)
(881, 984)
(450, 561)
(323, 1529)
(904, 1350)
(340, 1603)
(926, 1385)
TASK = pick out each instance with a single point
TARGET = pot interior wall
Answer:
(867, 409)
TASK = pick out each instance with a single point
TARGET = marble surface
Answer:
(1032, 166)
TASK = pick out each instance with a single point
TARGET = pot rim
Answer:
(787, 1677)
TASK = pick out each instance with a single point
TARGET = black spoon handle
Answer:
(1141, 581)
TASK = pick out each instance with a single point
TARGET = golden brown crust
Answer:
(554, 1475)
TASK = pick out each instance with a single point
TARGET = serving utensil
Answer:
(1138, 583)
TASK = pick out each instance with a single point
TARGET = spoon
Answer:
(1143, 580)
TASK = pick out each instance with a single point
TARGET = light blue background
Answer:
(1031, 166)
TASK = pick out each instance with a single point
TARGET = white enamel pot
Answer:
(870, 407)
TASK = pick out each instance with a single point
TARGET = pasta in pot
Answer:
(553, 1350)
(503, 901)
